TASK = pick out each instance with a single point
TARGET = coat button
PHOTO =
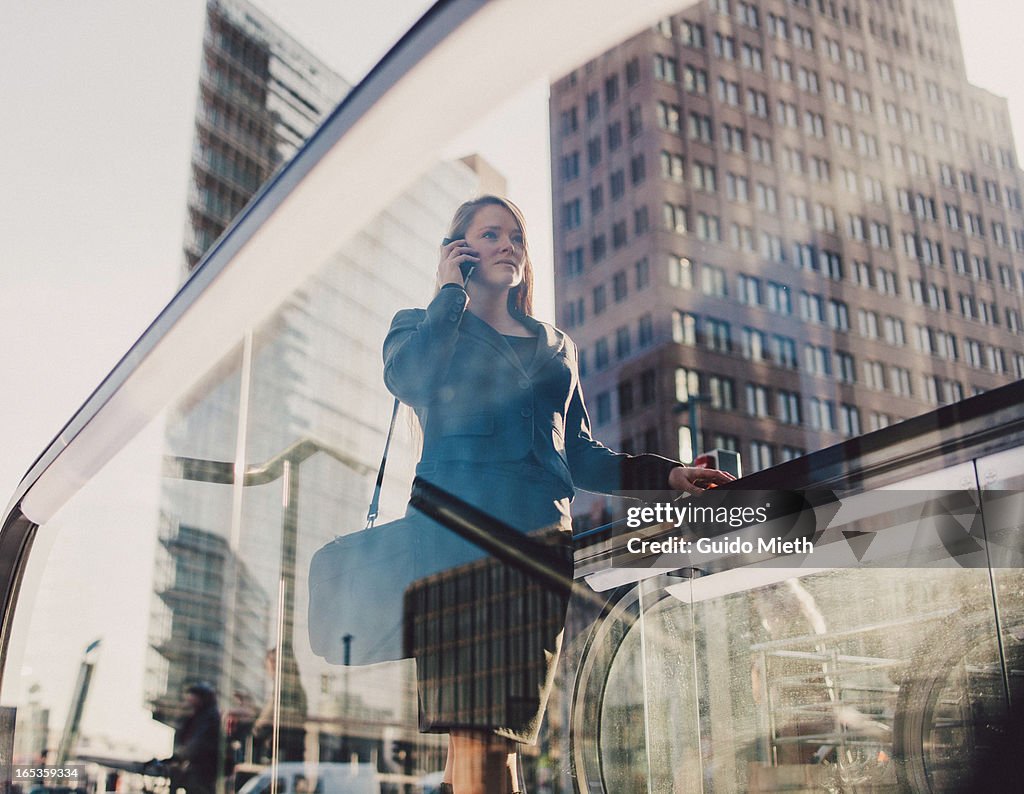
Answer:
(524, 383)
(527, 412)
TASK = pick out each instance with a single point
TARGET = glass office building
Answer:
(243, 431)
(261, 94)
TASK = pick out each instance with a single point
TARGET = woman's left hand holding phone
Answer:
(457, 262)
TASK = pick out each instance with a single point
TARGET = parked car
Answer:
(296, 777)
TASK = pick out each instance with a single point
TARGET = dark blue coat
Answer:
(477, 403)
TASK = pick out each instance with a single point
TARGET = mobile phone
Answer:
(465, 267)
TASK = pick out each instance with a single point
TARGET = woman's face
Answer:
(498, 239)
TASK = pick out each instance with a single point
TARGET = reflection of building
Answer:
(478, 631)
(261, 94)
(805, 212)
(189, 630)
(310, 373)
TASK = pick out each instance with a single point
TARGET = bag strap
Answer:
(371, 514)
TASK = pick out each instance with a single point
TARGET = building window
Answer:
(684, 328)
(569, 121)
(722, 392)
(899, 381)
(618, 184)
(754, 345)
(708, 227)
(611, 89)
(637, 169)
(666, 69)
(695, 80)
(893, 330)
(625, 392)
(641, 221)
(748, 289)
(614, 136)
(620, 286)
(672, 166)
(761, 456)
(821, 414)
(718, 335)
(574, 313)
(648, 387)
(687, 384)
(634, 121)
(874, 375)
(713, 281)
(601, 354)
(817, 360)
(846, 369)
(734, 139)
(788, 407)
(618, 234)
(572, 216)
(668, 116)
(700, 128)
(600, 301)
(680, 272)
(849, 420)
(574, 262)
(778, 298)
(603, 413)
(570, 166)
(674, 216)
(692, 34)
(645, 330)
(724, 46)
(784, 351)
(757, 400)
(642, 269)
(632, 72)
(623, 343)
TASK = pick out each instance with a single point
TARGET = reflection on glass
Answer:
(793, 179)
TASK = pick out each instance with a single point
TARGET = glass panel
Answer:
(94, 616)
(1002, 490)
(850, 277)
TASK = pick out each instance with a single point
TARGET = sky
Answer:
(98, 101)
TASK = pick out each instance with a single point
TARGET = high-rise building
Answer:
(261, 94)
(801, 212)
(253, 485)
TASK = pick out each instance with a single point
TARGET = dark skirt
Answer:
(485, 636)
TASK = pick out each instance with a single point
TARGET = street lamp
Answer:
(691, 406)
(285, 467)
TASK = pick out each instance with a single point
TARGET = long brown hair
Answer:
(520, 299)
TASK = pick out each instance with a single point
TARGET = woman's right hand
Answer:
(452, 255)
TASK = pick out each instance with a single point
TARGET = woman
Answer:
(498, 398)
